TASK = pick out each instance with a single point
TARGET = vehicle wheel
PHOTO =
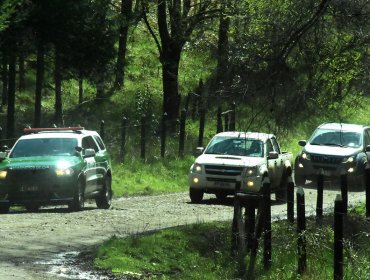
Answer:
(32, 207)
(4, 208)
(221, 196)
(78, 198)
(196, 196)
(104, 200)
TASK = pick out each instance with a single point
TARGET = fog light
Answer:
(250, 184)
(351, 170)
(195, 180)
(300, 165)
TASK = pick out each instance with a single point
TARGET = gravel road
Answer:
(45, 245)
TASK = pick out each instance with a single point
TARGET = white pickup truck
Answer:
(245, 156)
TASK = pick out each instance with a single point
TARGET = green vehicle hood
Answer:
(39, 162)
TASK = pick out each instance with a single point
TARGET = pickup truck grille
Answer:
(223, 170)
(326, 159)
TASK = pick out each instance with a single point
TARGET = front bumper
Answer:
(226, 184)
(41, 187)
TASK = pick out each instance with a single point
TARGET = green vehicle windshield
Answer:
(44, 147)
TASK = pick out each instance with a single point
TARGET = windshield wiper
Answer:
(332, 144)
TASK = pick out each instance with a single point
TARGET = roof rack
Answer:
(45, 129)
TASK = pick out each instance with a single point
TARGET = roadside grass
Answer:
(202, 251)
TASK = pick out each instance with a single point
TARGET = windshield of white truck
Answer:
(331, 137)
(235, 146)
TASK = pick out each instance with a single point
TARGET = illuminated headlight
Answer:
(63, 169)
(349, 159)
(350, 170)
(195, 180)
(250, 171)
(250, 184)
(3, 174)
(305, 156)
(197, 168)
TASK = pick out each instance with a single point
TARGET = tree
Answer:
(176, 20)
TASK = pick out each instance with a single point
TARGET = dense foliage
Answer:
(281, 60)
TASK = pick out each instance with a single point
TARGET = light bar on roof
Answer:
(41, 129)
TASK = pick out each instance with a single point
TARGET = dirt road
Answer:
(44, 245)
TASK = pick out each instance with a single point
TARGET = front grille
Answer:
(222, 170)
(226, 180)
(326, 159)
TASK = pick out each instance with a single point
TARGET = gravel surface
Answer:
(46, 245)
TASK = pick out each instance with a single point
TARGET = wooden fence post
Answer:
(1, 133)
(202, 119)
(123, 138)
(234, 227)
(344, 192)
(320, 194)
(226, 122)
(102, 130)
(338, 238)
(250, 222)
(367, 191)
(143, 137)
(301, 228)
(290, 200)
(267, 225)
(163, 134)
(232, 117)
(219, 120)
(182, 133)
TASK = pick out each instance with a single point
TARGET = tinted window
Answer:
(100, 142)
(44, 147)
(235, 146)
(89, 143)
(331, 137)
(275, 145)
(269, 147)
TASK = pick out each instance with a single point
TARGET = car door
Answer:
(102, 161)
(91, 167)
(270, 162)
(279, 164)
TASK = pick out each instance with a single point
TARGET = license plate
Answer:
(28, 188)
(222, 184)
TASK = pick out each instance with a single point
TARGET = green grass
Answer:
(202, 251)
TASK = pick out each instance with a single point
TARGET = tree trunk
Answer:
(11, 96)
(58, 117)
(21, 73)
(171, 96)
(39, 84)
(125, 16)
(223, 43)
(80, 90)
(4, 76)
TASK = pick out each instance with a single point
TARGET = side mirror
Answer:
(89, 153)
(273, 155)
(302, 143)
(367, 149)
(198, 151)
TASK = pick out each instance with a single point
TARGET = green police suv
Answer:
(49, 166)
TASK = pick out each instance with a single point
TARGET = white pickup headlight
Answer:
(197, 168)
(63, 168)
(250, 171)
(349, 159)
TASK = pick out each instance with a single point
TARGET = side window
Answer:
(269, 147)
(100, 142)
(89, 143)
(275, 145)
(367, 138)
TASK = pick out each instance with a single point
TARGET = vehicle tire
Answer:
(78, 198)
(104, 200)
(32, 207)
(4, 208)
(196, 196)
(221, 196)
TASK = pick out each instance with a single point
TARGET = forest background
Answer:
(287, 65)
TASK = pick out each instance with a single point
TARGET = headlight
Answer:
(197, 168)
(3, 174)
(250, 171)
(305, 156)
(349, 159)
(63, 169)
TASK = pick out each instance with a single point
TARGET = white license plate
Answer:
(222, 184)
(28, 188)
